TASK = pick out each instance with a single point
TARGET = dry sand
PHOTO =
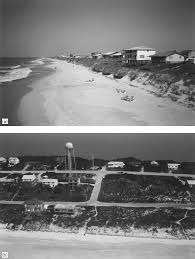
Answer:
(69, 99)
(42, 245)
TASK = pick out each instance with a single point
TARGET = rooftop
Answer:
(166, 53)
(65, 206)
(140, 48)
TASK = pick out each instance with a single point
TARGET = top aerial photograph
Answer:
(97, 63)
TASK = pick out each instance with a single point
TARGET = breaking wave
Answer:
(37, 62)
(11, 74)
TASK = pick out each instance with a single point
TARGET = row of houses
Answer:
(143, 166)
(144, 55)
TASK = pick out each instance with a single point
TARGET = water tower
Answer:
(70, 164)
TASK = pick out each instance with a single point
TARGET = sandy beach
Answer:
(57, 245)
(76, 96)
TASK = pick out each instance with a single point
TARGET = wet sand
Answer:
(22, 245)
(69, 97)
(13, 92)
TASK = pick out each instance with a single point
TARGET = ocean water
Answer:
(16, 76)
(12, 69)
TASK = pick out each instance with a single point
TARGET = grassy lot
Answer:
(26, 191)
(142, 188)
(149, 219)
(12, 214)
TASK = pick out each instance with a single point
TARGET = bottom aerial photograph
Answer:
(91, 195)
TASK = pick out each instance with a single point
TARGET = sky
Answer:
(178, 147)
(52, 27)
(1, 28)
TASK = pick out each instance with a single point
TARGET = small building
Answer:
(113, 165)
(50, 182)
(154, 163)
(34, 205)
(73, 182)
(96, 55)
(189, 55)
(138, 55)
(173, 166)
(66, 209)
(191, 183)
(29, 178)
(3, 160)
(13, 161)
(170, 57)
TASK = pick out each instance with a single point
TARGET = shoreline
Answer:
(14, 91)
(51, 235)
(74, 95)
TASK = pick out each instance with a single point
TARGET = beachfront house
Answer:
(115, 165)
(117, 56)
(189, 55)
(96, 55)
(31, 178)
(34, 205)
(138, 55)
(109, 55)
(50, 182)
(173, 166)
(66, 209)
(169, 57)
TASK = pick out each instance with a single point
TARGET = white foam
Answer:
(9, 67)
(37, 62)
(15, 74)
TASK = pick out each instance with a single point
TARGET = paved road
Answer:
(104, 172)
(93, 201)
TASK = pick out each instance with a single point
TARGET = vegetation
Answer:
(27, 191)
(175, 81)
(142, 188)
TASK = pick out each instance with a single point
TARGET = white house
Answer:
(3, 160)
(96, 55)
(115, 164)
(191, 183)
(51, 182)
(173, 166)
(168, 57)
(154, 163)
(29, 178)
(138, 55)
(13, 161)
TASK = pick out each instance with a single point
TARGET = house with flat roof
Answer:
(29, 178)
(170, 57)
(138, 55)
(173, 166)
(114, 165)
(66, 209)
(50, 182)
(191, 183)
